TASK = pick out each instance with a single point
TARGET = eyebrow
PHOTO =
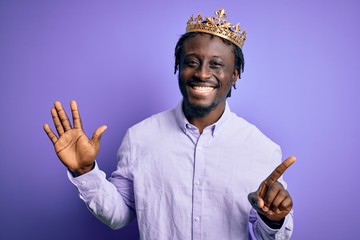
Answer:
(196, 55)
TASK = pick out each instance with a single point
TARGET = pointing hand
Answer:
(271, 199)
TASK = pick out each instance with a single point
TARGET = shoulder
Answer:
(249, 132)
(158, 120)
(158, 124)
(249, 141)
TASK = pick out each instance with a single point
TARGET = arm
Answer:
(103, 198)
(271, 216)
(77, 152)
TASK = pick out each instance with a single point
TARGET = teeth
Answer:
(203, 89)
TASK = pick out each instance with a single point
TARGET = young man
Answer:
(190, 172)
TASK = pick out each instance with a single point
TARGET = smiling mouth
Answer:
(203, 89)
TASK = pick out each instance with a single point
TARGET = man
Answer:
(190, 172)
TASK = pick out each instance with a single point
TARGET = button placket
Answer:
(199, 169)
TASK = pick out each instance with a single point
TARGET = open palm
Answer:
(75, 150)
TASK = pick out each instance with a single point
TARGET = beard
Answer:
(192, 110)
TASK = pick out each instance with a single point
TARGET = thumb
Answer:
(255, 200)
(98, 133)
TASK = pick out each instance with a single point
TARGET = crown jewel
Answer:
(217, 26)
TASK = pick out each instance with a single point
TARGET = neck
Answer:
(210, 118)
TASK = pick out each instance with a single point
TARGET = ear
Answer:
(235, 77)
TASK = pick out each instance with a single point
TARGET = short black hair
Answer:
(239, 56)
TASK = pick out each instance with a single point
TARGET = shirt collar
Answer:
(215, 127)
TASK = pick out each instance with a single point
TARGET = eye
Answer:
(191, 62)
(216, 64)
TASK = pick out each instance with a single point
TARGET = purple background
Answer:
(300, 87)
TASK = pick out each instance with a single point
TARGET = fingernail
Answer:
(278, 211)
(265, 209)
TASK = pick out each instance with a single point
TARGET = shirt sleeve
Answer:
(259, 230)
(122, 178)
(106, 200)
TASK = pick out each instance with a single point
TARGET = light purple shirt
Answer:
(179, 184)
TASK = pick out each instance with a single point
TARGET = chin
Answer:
(197, 110)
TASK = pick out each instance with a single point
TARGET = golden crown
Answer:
(217, 26)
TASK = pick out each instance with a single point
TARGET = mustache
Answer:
(194, 81)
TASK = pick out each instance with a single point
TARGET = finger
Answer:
(57, 122)
(75, 114)
(271, 194)
(276, 174)
(50, 133)
(276, 202)
(262, 189)
(63, 116)
(286, 204)
(98, 133)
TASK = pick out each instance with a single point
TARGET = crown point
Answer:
(221, 13)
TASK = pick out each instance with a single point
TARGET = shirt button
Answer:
(197, 182)
(83, 182)
(196, 219)
(200, 148)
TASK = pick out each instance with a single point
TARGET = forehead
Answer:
(209, 46)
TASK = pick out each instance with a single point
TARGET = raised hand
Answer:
(271, 200)
(75, 150)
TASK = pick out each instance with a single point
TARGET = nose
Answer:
(203, 72)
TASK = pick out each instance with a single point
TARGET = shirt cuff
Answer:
(88, 182)
(265, 227)
(282, 233)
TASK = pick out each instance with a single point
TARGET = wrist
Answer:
(83, 170)
(271, 223)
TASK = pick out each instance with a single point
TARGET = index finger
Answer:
(276, 174)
